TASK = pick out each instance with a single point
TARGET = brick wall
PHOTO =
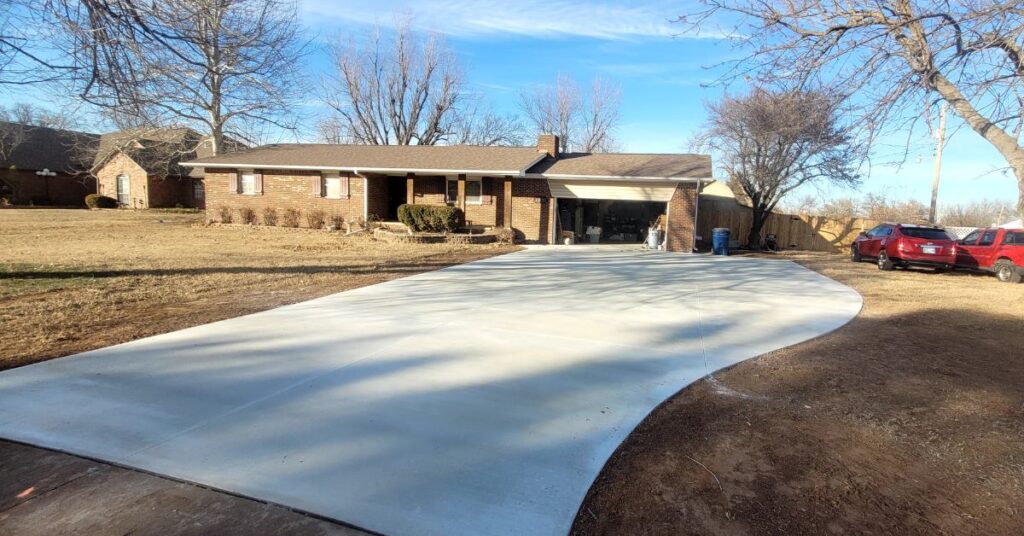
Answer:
(172, 192)
(282, 189)
(429, 190)
(138, 179)
(530, 216)
(486, 213)
(679, 236)
(24, 187)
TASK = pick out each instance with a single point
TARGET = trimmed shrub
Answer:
(269, 216)
(247, 215)
(505, 236)
(435, 218)
(225, 214)
(316, 219)
(290, 218)
(100, 201)
(337, 221)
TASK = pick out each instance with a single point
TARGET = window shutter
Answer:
(318, 185)
(344, 186)
(233, 182)
(258, 182)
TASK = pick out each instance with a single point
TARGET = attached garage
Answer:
(624, 211)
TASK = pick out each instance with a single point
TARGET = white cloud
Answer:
(534, 18)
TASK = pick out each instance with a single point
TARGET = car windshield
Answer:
(925, 233)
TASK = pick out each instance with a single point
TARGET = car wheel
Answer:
(884, 263)
(855, 254)
(1007, 272)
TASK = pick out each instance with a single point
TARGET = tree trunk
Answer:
(760, 216)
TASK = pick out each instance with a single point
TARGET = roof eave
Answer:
(561, 176)
(357, 169)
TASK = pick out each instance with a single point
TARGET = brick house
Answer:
(142, 168)
(45, 166)
(536, 191)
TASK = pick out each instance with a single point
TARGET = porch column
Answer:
(462, 193)
(410, 189)
(507, 203)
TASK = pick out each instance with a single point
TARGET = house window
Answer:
(123, 190)
(474, 191)
(198, 190)
(335, 187)
(247, 183)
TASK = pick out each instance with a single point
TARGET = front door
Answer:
(123, 190)
(397, 196)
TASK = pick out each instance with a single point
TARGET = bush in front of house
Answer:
(505, 236)
(225, 215)
(434, 218)
(290, 218)
(247, 215)
(316, 219)
(269, 216)
(100, 201)
(337, 221)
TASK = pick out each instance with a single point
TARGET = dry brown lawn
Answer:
(76, 280)
(909, 420)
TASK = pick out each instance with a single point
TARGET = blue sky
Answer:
(506, 47)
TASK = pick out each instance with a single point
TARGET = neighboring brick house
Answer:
(45, 166)
(533, 190)
(141, 168)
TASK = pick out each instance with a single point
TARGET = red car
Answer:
(994, 250)
(897, 244)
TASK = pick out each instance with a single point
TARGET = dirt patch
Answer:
(909, 420)
(76, 280)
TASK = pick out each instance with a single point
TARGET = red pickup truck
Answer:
(993, 250)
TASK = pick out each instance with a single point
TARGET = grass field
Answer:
(75, 280)
(909, 420)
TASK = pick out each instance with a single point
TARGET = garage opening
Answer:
(620, 222)
(622, 211)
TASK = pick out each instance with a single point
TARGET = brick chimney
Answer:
(548, 143)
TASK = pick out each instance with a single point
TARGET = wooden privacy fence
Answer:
(809, 233)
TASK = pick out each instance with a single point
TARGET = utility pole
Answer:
(932, 212)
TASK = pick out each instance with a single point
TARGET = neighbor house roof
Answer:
(382, 158)
(626, 166)
(35, 148)
(159, 150)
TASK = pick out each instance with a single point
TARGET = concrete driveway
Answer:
(479, 399)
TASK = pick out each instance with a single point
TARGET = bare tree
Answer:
(397, 90)
(28, 114)
(976, 213)
(772, 142)
(476, 124)
(878, 207)
(26, 56)
(214, 65)
(898, 57)
(582, 122)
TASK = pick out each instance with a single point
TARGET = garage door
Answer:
(613, 191)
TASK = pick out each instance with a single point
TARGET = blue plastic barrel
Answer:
(720, 240)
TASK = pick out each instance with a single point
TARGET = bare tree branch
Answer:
(890, 55)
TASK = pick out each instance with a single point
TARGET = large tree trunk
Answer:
(760, 216)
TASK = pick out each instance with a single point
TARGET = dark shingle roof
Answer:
(626, 165)
(158, 150)
(34, 148)
(423, 158)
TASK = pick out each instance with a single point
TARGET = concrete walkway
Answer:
(479, 399)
